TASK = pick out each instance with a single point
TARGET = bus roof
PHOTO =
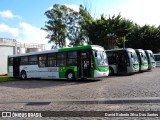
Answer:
(81, 47)
(139, 50)
(148, 51)
(121, 49)
(157, 54)
(61, 50)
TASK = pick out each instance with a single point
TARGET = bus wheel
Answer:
(70, 75)
(111, 72)
(23, 75)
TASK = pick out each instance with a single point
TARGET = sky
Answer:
(22, 19)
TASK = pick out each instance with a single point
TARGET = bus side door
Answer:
(121, 63)
(16, 65)
(84, 64)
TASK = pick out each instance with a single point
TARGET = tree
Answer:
(145, 37)
(99, 33)
(75, 32)
(56, 25)
(79, 27)
(121, 27)
(108, 32)
(65, 24)
(85, 22)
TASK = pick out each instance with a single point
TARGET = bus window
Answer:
(52, 60)
(111, 58)
(72, 58)
(101, 59)
(157, 57)
(42, 61)
(33, 60)
(61, 59)
(24, 60)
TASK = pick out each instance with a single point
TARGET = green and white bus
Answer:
(88, 61)
(122, 61)
(151, 60)
(143, 63)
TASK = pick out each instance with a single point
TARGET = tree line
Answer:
(79, 28)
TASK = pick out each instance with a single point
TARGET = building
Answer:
(12, 47)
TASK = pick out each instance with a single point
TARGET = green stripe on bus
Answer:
(136, 66)
(63, 70)
(75, 48)
(102, 69)
(145, 65)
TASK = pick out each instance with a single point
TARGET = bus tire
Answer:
(23, 75)
(111, 71)
(70, 75)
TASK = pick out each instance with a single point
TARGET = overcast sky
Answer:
(22, 19)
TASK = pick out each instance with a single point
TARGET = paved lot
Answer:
(138, 92)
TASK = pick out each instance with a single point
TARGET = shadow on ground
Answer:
(42, 83)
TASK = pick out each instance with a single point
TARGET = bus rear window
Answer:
(10, 61)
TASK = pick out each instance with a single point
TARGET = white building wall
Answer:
(4, 52)
(12, 47)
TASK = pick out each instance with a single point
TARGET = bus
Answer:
(150, 59)
(122, 61)
(143, 63)
(89, 61)
(157, 59)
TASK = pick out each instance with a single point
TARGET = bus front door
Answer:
(85, 66)
(121, 63)
(16, 64)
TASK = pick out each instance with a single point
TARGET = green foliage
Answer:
(145, 37)
(75, 32)
(64, 23)
(109, 32)
(56, 24)
(115, 31)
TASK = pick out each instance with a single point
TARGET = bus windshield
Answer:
(143, 56)
(101, 58)
(133, 57)
(151, 56)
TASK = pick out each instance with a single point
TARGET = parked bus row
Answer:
(79, 62)
(128, 60)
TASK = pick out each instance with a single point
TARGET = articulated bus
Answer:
(143, 63)
(157, 59)
(88, 61)
(151, 60)
(122, 61)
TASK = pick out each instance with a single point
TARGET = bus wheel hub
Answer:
(70, 75)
